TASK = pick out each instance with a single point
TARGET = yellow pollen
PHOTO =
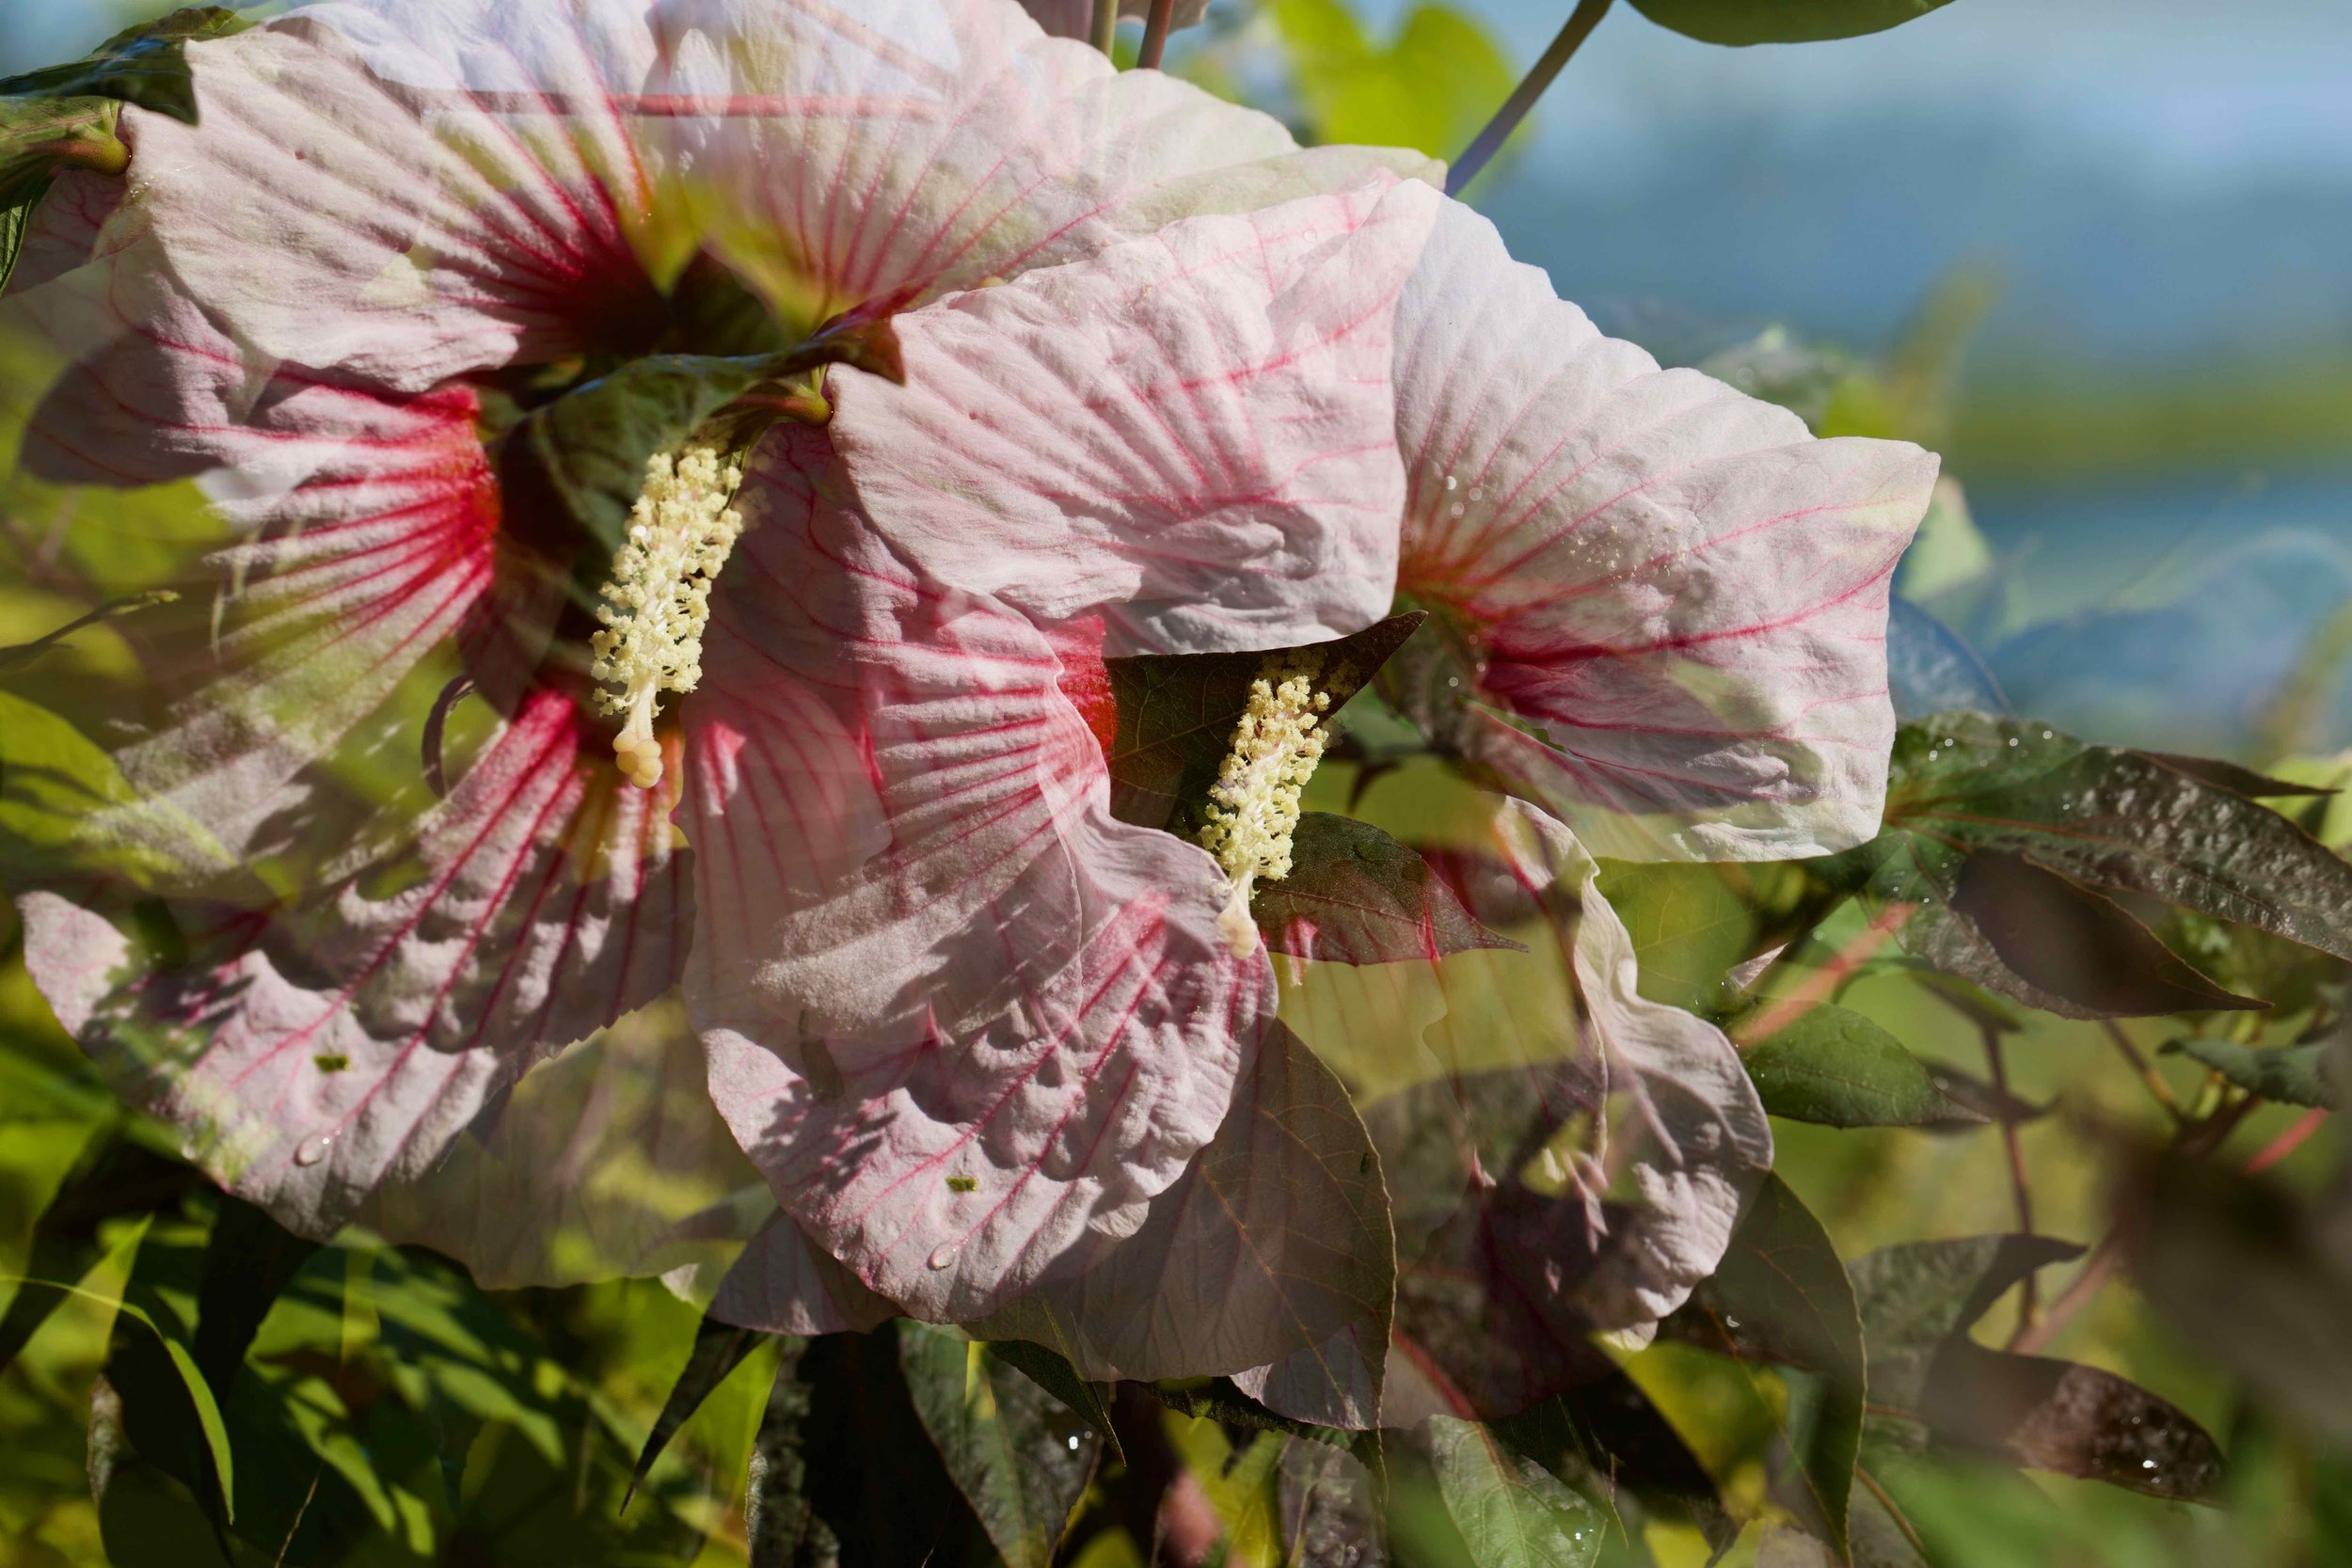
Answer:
(658, 599)
(1254, 806)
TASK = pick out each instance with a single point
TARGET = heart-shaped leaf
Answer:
(2297, 1074)
(1835, 1067)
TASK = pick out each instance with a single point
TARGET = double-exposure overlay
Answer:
(935, 782)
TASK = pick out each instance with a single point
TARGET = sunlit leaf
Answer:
(1739, 22)
(1020, 1456)
(1836, 1067)
(1511, 1511)
(1782, 1297)
(1356, 896)
(1430, 88)
(2296, 1074)
(718, 1348)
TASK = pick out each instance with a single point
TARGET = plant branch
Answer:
(1155, 34)
(2096, 1271)
(1480, 153)
(2006, 1103)
(1105, 29)
(1820, 984)
(2147, 1071)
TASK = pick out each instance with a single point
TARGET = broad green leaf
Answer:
(718, 1348)
(2117, 819)
(1511, 1511)
(1057, 1377)
(1430, 88)
(1836, 1067)
(1782, 1297)
(1915, 1296)
(115, 1177)
(1020, 1457)
(2297, 1074)
(1174, 716)
(1741, 22)
(1355, 895)
(54, 780)
(200, 1393)
(144, 65)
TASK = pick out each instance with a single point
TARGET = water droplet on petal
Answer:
(1451, 481)
(311, 1150)
(941, 1256)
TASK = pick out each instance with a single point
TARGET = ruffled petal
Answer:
(982, 1048)
(1565, 1157)
(1677, 590)
(350, 200)
(1191, 434)
(312, 1051)
(895, 148)
(1273, 1243)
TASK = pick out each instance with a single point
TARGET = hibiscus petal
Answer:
(893, 148)
(344, 201)
(1681, 589)
(1191, 434)
(987, 1045)
(1274, 1243)
(1565, 1157)
(782, 1284)
(312, 1051)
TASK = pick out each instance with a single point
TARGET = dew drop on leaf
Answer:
(311, 1150)
(941, 1256)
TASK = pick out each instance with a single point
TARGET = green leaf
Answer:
(1430, 88)
(1020, 1457)
(1355, 895)
(575, 465)
(15, 222)
(2072, 1421)
(718, 1348)
(2296, 1074)
(1835, 1067)
(249, 1260)
(1057, 1377)
(1175, 714)
(201, 1400)
(144, 65)
(1915, 1296)
(1511, 1511)
(116, 1177)
(1741, 22)
(2117, 819)
(1782, 1297)
(844, 1469)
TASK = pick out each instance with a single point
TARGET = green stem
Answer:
(1105, 25)
(1572, 34)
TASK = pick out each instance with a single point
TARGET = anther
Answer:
(1254, 806)
(658, 599)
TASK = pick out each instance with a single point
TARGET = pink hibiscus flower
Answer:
(347, 299)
